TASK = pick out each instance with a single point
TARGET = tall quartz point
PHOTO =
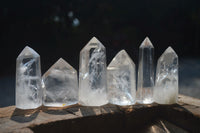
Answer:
(145, 73)
(121, 82)
(60, 85)
(28, 80)
(166, 85)
(92, 74)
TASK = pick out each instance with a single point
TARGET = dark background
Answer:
(61, 28)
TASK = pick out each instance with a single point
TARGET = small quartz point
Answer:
(166, 85)
(92, 74)
(60, 85)
(28, 80)
(121, 82)
(145, 73)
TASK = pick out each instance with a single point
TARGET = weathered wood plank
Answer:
(112, 118)
(189, 100)
(12, 119)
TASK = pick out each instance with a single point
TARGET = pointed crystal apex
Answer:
(63, 64)
(60, 64)
(122, 58)
(146, 43)
(168, 56)
(94, 40)
(170, 50)
(93, 43)
(28, 52)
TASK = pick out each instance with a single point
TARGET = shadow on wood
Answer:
(23, 116)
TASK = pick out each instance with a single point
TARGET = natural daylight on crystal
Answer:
(121, 82)
(28, 80)
(92, 74)
(145, 73)
(60, 85)
(166, 84)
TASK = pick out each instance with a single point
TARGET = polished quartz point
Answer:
(166, 85)
(145, 73)
(60, 85)
(28, 80)
(92, 74)
(121, 82)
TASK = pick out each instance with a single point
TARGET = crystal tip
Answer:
(170, 50)
(94, 40)
(122, 58)
(123, 51)
(146, 43)
(62, 62)
(28, 51)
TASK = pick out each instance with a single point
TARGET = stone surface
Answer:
(166, 85)
(92, 74)
(145, 73)
(28, 80)
(121, 82)
(60, 85)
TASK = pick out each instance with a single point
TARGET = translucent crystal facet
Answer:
(92, 74)
(166, 85)
(145, 72)
(121, 82)
(28, 80)
(60, 85)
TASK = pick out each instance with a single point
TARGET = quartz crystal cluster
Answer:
(98, 84)
(60, 85)
(121, 83)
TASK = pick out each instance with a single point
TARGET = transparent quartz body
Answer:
(145, 83)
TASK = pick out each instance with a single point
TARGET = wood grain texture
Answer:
(184, 115)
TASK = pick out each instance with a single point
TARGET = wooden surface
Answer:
(181, 117)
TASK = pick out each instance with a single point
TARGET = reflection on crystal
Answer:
(121, 83)
(92, 74)
(145, 73)
(60, 85)
(166, 85)
(28, 80)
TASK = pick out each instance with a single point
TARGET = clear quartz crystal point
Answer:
(92, 74)
(145, 73)
(166, 84)
(28, 80)
(121, 82)
(60, 85)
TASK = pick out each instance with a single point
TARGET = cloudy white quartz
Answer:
(166, 84)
